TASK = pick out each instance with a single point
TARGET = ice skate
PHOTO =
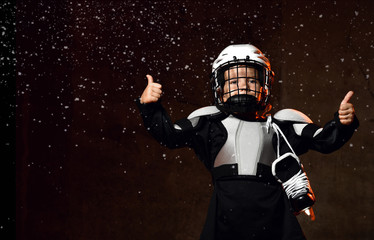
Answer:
(288, 170)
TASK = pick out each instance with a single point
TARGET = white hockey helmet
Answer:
(235, 57)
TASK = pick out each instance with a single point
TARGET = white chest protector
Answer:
(247, 144)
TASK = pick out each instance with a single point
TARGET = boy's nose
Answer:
(243, 82)
(243, 86)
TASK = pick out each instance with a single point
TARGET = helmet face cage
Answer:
(241, 86)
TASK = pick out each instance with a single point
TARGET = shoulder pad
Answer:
(292, 115)
(204, 111)
(194, 117)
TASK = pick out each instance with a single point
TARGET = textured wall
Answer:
(86, 167)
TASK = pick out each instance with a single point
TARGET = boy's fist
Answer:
(346, 110)
(152, 92)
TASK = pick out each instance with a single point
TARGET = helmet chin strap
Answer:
(242, 99)
(243, 103)
(244, 106)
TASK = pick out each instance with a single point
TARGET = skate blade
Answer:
(310, 213)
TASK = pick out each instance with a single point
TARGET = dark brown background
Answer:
(87, 169)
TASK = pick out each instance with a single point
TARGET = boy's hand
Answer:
(346, 110)
(152, 92)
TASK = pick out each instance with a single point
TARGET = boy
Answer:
(259, 184)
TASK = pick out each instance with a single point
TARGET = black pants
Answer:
(247, 209)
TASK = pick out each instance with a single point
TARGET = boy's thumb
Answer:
(150, 79)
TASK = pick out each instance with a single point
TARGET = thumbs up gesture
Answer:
(346, 110)
(152, 92)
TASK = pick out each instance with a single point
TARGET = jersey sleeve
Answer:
(304, 135)
(331, 137)
(160, 126)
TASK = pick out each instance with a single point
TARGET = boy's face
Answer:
(241, 80)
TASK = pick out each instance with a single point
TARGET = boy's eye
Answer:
(233, 82)
(252, 81)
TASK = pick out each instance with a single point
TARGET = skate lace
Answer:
(296, 185)
(299, 183)
(277, 131)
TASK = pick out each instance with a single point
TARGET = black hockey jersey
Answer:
(247, 202)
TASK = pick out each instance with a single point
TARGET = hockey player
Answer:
(259, 183)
